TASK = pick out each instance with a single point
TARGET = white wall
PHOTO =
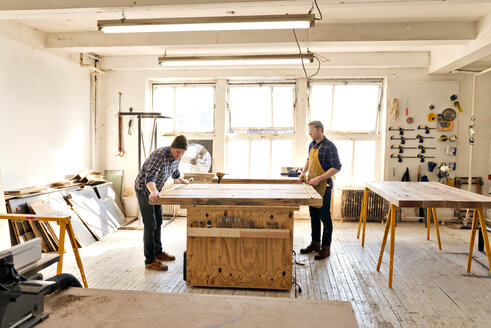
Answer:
(44, 115)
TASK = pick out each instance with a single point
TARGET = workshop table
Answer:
(80, 307)
(429, 195)
(240, 235)
(258, 180)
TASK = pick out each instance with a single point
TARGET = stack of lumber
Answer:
(95, 212)
(84, 177)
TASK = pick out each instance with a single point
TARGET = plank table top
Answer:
(82, 307)
(241, 194)
(258, 180)
(427, 195)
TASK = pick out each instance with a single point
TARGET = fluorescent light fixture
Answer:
(167, 61)
(226, 23)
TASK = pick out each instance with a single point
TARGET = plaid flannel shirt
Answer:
(158, 167)
(328, 155)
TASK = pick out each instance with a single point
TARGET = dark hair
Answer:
(317, 125)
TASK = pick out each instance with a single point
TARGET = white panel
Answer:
(44, 110)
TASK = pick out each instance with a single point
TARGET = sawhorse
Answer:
(65, 226)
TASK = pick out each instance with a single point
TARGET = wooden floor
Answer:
(431, 288)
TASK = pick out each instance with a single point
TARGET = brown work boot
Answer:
(157, 266)
(310, 249)
(325, 252)
(165, 257)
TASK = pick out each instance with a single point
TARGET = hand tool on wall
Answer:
(401, 130)
(431, 166)
(423, 148)
(130, 123)
(403, 140)
(449, 114)
(459, 108)
(400, 157)
(422, 157)
(426, 128)
(401, 149)
(421, 138)
(120, 130)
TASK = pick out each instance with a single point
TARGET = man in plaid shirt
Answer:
(159, 166)
(322, 164)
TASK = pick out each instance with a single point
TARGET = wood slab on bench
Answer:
(77, 307)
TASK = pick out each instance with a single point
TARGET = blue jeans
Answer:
(322, 214)
(152, 222)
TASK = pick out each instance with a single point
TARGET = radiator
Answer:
(169, 210)
(351, 200)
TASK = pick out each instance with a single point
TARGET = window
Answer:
(261, 134)
(350, 114)
(258, 157)
(191, 105)
(261, 107)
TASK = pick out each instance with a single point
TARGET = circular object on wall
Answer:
(443, 138)
(431, 107)
(409, 120)
(453, 137)
(454, 97)
(449, 114)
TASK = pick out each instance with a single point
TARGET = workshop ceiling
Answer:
(453, 33)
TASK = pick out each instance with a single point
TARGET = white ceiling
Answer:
(349, 26)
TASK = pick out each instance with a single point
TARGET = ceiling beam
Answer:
(446, 59)
(62, 5)
(431, 32)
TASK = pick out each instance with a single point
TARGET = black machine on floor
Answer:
(21, 300)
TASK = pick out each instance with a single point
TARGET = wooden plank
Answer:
(242, 194)
(56, 207)
(89, 207)
(258, 180)
(73, 306)
(427, 194)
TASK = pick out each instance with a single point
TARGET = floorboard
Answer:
(430, 288)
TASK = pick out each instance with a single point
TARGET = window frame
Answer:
(262, 130)
(353, 136)
(191, 134)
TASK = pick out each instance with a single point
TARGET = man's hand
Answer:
(302, 177)
(153, 197)
(314, 182)
(183, 181)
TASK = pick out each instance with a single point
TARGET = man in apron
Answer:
(322, 164)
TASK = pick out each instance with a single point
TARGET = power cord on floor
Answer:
(294, 281)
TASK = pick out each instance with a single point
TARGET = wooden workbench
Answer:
(429, 195)
(78, 307)
(257, 180)
(240, 235)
